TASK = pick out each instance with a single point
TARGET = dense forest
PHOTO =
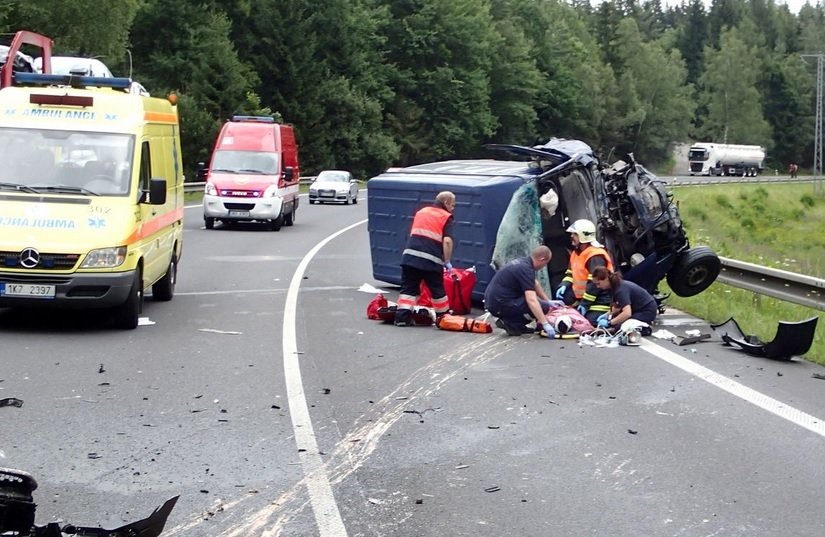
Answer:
(375, 83)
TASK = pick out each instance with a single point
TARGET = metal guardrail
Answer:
(735, 180)
(788, 286)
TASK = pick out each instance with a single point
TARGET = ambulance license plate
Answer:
(239, 214)
(27, 290)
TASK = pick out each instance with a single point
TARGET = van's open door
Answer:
(25, 37)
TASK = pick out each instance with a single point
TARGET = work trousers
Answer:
(411, 279)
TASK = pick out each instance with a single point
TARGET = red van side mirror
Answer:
(289, 173)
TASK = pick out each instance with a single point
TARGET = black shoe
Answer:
(404, 318)
(511, 330)
(646, 331)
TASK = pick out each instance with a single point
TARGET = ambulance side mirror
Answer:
(201, 171)
(289, 173)
(157, 191)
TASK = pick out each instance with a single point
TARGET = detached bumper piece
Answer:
(792, 339)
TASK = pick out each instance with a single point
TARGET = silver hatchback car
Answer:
(334, 185)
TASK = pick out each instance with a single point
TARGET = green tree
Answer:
(656, 103)
(788, 110)
(692, 36)
(576, 92)
(442, 53)
(324, 71)
(178, 45)
(515, 83)
(574, 85)
(728, 90)
(80, 27)
(724, 14)
(198, 131)
(811, 23)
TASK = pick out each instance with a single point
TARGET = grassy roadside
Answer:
(780, 226)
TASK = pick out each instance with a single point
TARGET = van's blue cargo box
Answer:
(483, 189)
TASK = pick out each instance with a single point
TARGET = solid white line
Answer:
(321, 497)
(774, 406)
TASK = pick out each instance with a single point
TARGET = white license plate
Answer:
(327, 194)
(27, 290)
(239, 214)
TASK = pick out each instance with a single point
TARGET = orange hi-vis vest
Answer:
(427, 235)
(578, 267)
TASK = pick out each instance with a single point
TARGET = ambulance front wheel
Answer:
(126, 315)
(275, 225)
(164, 289)
(209, 222)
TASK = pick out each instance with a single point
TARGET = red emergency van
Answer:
(253, 174)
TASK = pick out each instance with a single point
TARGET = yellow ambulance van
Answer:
(91, 195)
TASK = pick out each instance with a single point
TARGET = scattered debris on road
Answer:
(11, 401)
(214, 331)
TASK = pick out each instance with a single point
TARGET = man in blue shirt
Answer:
(514, 292)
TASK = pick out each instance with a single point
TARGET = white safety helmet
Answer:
(563, 324)
(584, 229)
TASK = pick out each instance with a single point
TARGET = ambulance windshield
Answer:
(254, 162)
(90, 163)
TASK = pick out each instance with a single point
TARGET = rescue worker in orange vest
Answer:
(426, 256)
(577, 284)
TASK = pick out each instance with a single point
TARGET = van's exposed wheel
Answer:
(275, 224)
(209, 223)
(126, 315)
(164, 289)
(355, 199)
(694, 271)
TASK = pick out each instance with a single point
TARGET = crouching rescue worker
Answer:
(514, 292)
(426, 256)
(629, 301)
(577, 284)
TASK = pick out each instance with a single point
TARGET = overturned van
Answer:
(504, 208)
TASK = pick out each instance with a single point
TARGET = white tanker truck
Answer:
(725, 159)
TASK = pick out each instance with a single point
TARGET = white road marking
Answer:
(321, 497)
(774, 406)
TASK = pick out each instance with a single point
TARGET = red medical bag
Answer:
(458, 283)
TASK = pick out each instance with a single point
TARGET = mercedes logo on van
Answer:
(29, 258)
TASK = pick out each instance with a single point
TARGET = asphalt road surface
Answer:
(265, 398)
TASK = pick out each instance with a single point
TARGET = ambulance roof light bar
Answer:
(254, 119)
(40, 79)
